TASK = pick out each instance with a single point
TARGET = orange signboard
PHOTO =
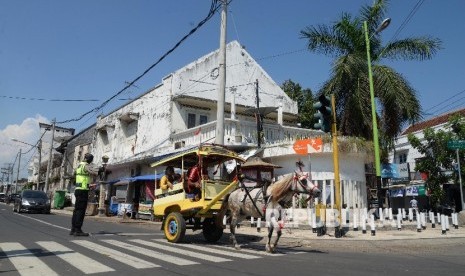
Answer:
(309, 145)
(301, 146)
(316, 145)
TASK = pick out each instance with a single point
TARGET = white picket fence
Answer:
(355, 219)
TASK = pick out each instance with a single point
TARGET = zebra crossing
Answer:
(135, 253)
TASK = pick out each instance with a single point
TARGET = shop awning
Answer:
(147, 177)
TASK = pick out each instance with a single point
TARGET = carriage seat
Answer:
(191, 196)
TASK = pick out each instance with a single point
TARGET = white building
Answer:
(181, 111)
(404, 153)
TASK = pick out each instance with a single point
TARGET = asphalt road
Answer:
(37, 244)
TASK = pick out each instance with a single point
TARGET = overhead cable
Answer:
(213, 9)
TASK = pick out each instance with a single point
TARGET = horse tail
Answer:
(222, 211)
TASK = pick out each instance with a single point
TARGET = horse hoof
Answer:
(237, 247)
(268, 249)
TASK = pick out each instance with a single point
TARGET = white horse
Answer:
(268, 201)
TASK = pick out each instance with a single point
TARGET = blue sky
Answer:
(88, 49)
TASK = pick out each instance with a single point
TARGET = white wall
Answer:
(200, 79)
(402, 146)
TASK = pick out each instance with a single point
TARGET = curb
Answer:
(305, 232)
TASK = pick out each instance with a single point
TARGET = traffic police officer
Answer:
(84, 174)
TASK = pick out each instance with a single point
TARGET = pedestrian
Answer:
(414, 204)
(84, 174)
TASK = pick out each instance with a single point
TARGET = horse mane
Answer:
(280, 188)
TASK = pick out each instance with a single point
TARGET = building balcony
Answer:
(239, 133)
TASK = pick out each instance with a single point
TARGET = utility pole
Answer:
(460, 179)
(17, 172)
(39, 148)
(337, 181)
(50, 158)
(222, 74)
(258, 117)
(102, 207)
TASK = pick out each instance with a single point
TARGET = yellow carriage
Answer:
(180, 210)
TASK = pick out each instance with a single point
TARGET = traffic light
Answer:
(323, 106)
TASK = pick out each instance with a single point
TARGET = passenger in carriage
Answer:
(194, 181)
(166, 182)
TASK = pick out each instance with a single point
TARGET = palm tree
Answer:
(345, 41)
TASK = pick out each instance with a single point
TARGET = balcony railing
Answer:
(240, 133)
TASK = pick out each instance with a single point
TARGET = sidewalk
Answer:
(387, 232)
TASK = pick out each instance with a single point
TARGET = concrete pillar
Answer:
(280, 114)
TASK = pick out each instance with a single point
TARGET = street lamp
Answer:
(103, 182)
(383, 26)
(39, 149)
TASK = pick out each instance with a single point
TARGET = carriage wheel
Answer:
(174, 227)
(211, 232)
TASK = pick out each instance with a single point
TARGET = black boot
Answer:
(72, 232)
(79, 233)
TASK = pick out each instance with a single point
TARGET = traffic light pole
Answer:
(337, 181)
(460, 179)
(373, 116)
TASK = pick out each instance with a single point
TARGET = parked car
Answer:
(32, 201)
(11, 198)
(2, 197)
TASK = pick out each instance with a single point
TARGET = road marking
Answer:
(116, 255)
(259, 252)
(182, 251)
(25, 261)
(78, 260)
(127, 234)
(151, 253)
(212, 250)
(44, 222)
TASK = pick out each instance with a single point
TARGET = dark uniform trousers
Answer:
(80, 207)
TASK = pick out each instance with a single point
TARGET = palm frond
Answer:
(420, 48)
(398, 99)
(374, 14)
(322, 39)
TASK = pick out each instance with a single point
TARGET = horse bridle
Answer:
(297, 179)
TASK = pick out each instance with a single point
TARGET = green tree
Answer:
(304, 99)
(345, 41)
(438, 160)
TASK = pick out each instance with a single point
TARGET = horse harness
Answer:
(264, 186)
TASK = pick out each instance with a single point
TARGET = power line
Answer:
(213, 9)
(446, 100)
(406, 20)
(281, 54)
(459, 103)
(187, 88)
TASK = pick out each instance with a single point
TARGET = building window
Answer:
(103, 134)
(402, 158)
(129, 129)
(190, 120)
(203, 119)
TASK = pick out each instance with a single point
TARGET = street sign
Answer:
(308, 145)
(456, 144)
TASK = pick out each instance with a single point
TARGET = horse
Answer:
(268, 200)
